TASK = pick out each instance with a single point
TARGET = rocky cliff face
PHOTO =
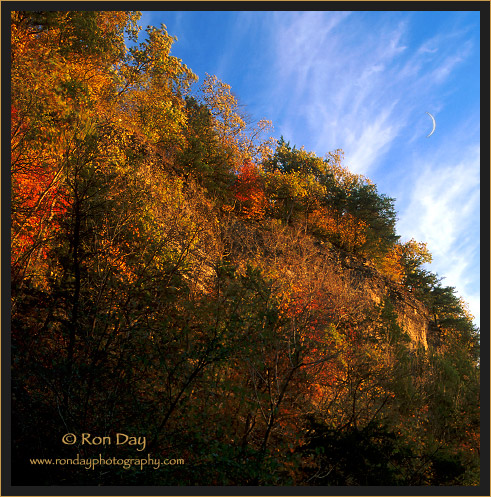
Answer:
(413, 316)
(292, 255)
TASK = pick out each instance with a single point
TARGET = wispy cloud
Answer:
(337, 85)
(347, 88)
(442, 199)
(370, 143)
(449, 62)
(444, 212)
(339, 77)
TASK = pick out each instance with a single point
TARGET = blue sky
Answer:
(363, 82)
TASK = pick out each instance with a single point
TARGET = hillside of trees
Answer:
(173, 278)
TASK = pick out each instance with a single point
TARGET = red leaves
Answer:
(41, 202)
(14, 114)
(249, 191)
(36, 197)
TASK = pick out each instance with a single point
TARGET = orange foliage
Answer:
(249, 191)
(37, 198)
(313, 317)
(350, 231)
(391, 265)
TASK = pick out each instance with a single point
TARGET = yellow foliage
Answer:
(391, 265)
(351, 232)
(342, 175)
(231, 127)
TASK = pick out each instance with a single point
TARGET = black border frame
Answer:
(6, 488)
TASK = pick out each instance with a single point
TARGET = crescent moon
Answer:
(434, 125)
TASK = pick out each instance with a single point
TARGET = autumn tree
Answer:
(203, 157)
(231, 125)
(332, 202)
(296, 181)
(249, 192)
